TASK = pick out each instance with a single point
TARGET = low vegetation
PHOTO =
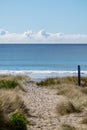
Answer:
(67, 86)
(17, 77)
(65, 80)
(10, 102)
(67, 127)
(17, 121)
(8, 84)
(46, 82)
(13, 109)
(2, 117)
(55, 81)
(65, 107)
(11, 82)
(74, 94)
(84, 120)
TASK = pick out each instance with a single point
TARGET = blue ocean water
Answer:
(43, 58)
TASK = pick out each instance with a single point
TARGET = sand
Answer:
(41, 103)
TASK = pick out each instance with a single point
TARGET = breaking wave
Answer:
(41, 74)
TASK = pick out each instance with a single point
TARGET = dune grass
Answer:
(12, 82)
(84, 119)
(66, 107)
(74, 94)
(67, 127)
(67, 86)
(10, 100)
(14, 77)
(46, 82)
(8, 84)
(65, 80)
(56, 81)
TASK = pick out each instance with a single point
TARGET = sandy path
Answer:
(42, 103)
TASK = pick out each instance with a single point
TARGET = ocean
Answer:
(40, 61)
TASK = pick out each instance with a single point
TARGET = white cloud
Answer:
(43, 33)
(28, 34)
(41, 37)
(3, 32)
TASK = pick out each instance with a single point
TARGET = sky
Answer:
(43, 21)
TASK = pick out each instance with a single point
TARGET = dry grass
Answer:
(14, 77)
(55, 81)
(73, 93)
(84, 81)
(67, 127)
(76, 98)
(8, 82)
(65, 107)
(83, 90)
(2, 116)
(67, 86)
(10, 101)
(9, 98)
(84, 120)
(65, 80)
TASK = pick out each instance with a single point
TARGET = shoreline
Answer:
(42, 74)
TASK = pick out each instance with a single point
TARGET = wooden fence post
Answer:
(79, 75)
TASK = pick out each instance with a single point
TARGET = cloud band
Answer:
(41, 37)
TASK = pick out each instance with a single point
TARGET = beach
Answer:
(42, 103)
(41, 82)
(54, 103)
(42, 74)
(43, 65)
(41, 61)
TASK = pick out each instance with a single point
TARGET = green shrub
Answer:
(56, 81)
(17, 121)
(8, 84)
(69, 80)
(48, 81)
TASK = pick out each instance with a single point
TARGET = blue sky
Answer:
(54, 16)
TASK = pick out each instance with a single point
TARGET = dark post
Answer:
(78, 75)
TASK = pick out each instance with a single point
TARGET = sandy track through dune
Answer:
(42, 103)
